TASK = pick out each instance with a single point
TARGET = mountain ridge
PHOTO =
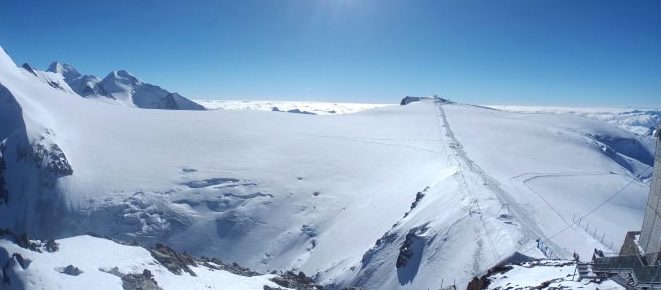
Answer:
(120, 87)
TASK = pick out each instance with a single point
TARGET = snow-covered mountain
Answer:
(398, 197)
(118, 87)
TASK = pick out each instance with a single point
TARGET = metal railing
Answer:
(642, 273)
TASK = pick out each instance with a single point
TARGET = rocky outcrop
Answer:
(144, 281)
(173, 261)
(292, 280)
(411, 248)
(408, 99)
(47, 156)
(71, 270)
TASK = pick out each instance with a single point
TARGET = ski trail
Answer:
(531, 230)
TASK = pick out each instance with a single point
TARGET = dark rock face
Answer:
(23, 262)
(56, 162)
(47, 156)
(173, 261)
(177, 263)
(71, 270)
(407, 100)
(405, 252)
(29, 68)
(51, 246)
(295, 281)
(411, 248)
(4, 192)
(418, 198)
(144, 281)
(24, 241)
(297, 111)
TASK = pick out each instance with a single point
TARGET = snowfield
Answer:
(394, 197)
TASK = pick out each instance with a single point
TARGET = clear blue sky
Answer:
(556, 52)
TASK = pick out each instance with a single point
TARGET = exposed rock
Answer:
(47, 156)
(170, 259)
(407, 100)
(178, 263)
(411, 246)
(71, 270)
(297, 111)
(418, 198)
(29, 68)
(51, 246)
(54, 158)
(296, 281)
(23, 262)
(144, 281)
(4, 192)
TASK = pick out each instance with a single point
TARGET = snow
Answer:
(96, 257)
(319, 108)
(533, 275)
(555, 181)
(325, 194)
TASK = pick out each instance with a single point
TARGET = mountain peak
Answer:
(123, 76)
(65, 69)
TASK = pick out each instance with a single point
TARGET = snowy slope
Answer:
(118, 87)
(545, 274)
(319, 108)
(559, 168)
(398, 197)
(102, 263)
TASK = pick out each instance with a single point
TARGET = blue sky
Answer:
(558, 52)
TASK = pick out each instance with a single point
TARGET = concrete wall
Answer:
(650, 236)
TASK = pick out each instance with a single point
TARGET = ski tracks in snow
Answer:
(529, 227)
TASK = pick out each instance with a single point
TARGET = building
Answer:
(650, 234)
